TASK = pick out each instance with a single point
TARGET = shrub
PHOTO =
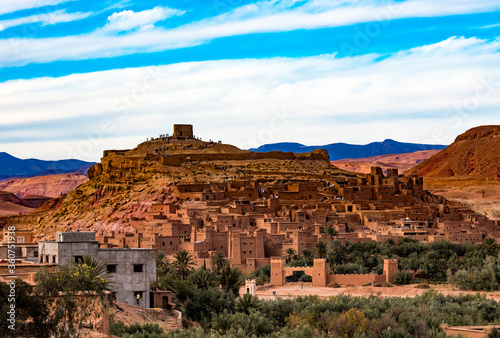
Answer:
(383, 285)
(402, 277)
(422, 286)
(334, 285)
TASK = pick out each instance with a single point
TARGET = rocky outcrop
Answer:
(475, 153)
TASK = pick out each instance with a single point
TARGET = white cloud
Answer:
(9, 6)
(257, 18)
(127, 20)
(45, 19)
(427, 94)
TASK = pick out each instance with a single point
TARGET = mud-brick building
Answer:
(130, 270)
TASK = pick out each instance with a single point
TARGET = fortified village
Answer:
(251, 207)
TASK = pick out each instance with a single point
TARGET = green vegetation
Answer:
(60, 304)
(344, 316)
(189, 284)
(467, 266)
(135, 330)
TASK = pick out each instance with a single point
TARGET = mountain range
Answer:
(13, 167)
(338, 151)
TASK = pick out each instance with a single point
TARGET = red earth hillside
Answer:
(475, 153)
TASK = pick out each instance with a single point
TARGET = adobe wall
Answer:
(356, 279)
(321, 278)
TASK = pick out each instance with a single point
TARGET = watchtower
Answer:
(390, 269)
(183, 130)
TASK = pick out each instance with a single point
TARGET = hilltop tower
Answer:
(183, 130)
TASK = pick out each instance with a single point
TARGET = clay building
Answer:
(183, 130)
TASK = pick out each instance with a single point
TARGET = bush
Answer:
(334, 285)
(383, 285)
(204, 303)
(422, 286)
(402, 277)
(119, 329)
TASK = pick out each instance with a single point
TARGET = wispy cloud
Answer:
(128, 20)
(262, 17)
(44, 19)
(359, 98)
(9, 6)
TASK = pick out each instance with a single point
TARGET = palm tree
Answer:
(247, 302)
(231, 279)
(184, 263)
(202, 278)
(320, 249)
(329, 230)
(162, 264)
(289, 255)
(217, 262)
(307, 253)
(337, 253)
(490, 246)
(94, 267)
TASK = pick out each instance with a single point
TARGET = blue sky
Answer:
(78, 77)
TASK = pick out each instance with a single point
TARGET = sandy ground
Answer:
(480, 194)
(295, 290)
(9, 208)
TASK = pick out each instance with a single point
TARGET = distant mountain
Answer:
(363, 165)
(338, 151)
(13, 167)
(474, 153)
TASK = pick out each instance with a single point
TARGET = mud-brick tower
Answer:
(183, 130)
(277, 276)
(390, 269)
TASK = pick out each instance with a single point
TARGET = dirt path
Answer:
(294, 290)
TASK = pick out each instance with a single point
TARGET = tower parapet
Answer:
(183, 130)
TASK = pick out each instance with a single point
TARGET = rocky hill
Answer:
(403, 162)
(50, 185)
(127, 182)
(10, 204)
(475, 153)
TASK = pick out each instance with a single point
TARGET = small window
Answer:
(111, 268)
(35, 254)
(78, 259)
(163, 243)
(53, 259)
(138, 267)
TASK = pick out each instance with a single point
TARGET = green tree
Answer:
(31, 312)
(331, 231)
(163, 265)
(183, 263)
(490, 246)
(289, 254)
(72, 293)
(247, 302)
(217, 262)
(320, 249)
(231, 279)
(202, 279)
